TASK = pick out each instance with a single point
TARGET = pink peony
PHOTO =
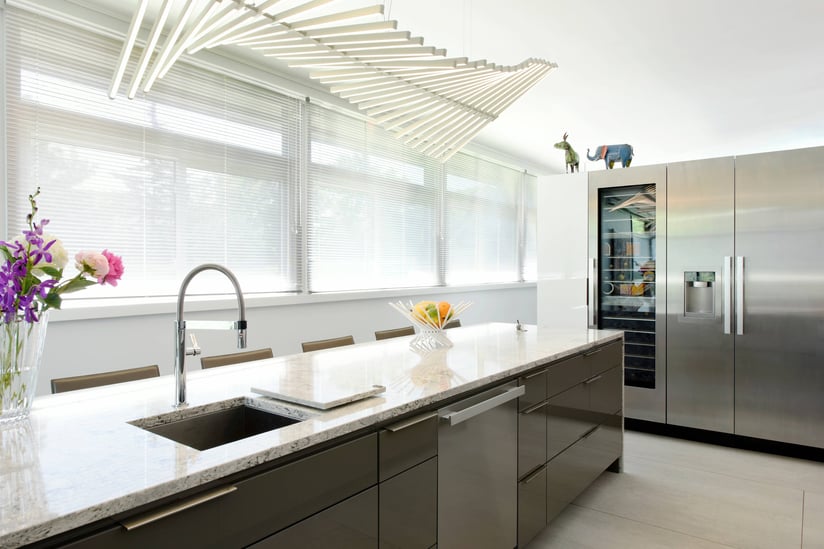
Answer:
(115, 269)
(94, 263)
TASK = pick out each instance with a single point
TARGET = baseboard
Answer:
(725, 439)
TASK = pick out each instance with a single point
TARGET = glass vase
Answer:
(21, 349)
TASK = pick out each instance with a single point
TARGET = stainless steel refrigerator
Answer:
(627, 261)
(745, 295)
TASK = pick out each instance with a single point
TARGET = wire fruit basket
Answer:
(429, 319)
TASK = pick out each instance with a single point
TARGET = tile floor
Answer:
(675, 493)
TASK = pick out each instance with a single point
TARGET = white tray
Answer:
(329, 400)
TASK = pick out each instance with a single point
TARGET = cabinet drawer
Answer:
(276, 499)
(351, 524)
(568, 474)
(531, 506)
(535, 385)
(565, 374)
(606, 393)
(604, 358)
(532, 432)
(605, 444)
(198, 525)
(409, 508)
(406, 444)
(568, 418)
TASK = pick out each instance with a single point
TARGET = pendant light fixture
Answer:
(432, 102)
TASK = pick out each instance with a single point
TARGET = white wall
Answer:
(562, 250)
(76, 345)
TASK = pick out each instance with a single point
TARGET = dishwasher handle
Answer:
(460, 416)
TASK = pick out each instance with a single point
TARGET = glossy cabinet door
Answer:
(351, 524)
(408, 490)
(532, 423)
(199, 526)
(273, 500)
(568, 419)
(532, 500)
(409, 508)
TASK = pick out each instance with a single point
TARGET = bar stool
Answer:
(235, 358)
(73, 383)
(395, 332)
(327, 343)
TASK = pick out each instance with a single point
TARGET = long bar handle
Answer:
(727, 294)
(739, 295)
(154, 516)
(477, 409)
(593, 297)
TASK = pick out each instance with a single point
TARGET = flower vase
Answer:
(21, 349)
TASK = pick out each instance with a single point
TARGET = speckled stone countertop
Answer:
(77, 459)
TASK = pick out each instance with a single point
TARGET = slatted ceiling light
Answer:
(434, 103)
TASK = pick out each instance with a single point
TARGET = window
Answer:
(481, 209)
(209, 168)
(371, 209)
(169, 181)
(530, 246)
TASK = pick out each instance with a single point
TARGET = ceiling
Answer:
(676, 80)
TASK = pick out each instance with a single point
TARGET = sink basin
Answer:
(205, 430)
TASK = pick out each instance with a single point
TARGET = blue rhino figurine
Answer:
(613, 153)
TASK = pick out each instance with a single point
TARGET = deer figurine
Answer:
(571, 156)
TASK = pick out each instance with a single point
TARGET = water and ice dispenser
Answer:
(699, 294)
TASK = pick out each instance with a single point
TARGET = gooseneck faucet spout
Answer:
(180, 327)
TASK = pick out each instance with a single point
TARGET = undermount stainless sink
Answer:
(205, 430)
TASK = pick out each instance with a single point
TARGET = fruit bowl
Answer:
(429, 319)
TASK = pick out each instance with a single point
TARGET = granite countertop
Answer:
(77, 459)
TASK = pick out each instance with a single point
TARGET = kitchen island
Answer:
(79, 465)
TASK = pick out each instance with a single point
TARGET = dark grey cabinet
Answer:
(409, 508)
(276, 499)
(408, 472)
(532, 501)
(381, 489)
(582, 426)
(570, 472)
(532, 406)
(191, 519)
(351, 524)
(241, 513)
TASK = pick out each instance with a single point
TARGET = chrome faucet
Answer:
(180, 327)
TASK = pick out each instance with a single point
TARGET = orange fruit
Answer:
(444, 309)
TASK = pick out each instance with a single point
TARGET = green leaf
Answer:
(53, 301)
(6, 253)
(74, 285)
(52, 272)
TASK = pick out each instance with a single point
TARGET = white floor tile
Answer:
(711, 506)
(581, 528)
(757, 466)
(813, 537)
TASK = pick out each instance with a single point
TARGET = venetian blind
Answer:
(201, 170)
(481, 212)
(371, 207)
(530, 248)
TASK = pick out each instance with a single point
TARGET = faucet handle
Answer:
(194, 350)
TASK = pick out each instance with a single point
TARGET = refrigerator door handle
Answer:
(727, 294)
(739, 295)
(593, 297)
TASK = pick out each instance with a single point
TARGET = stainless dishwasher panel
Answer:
(478, 470)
